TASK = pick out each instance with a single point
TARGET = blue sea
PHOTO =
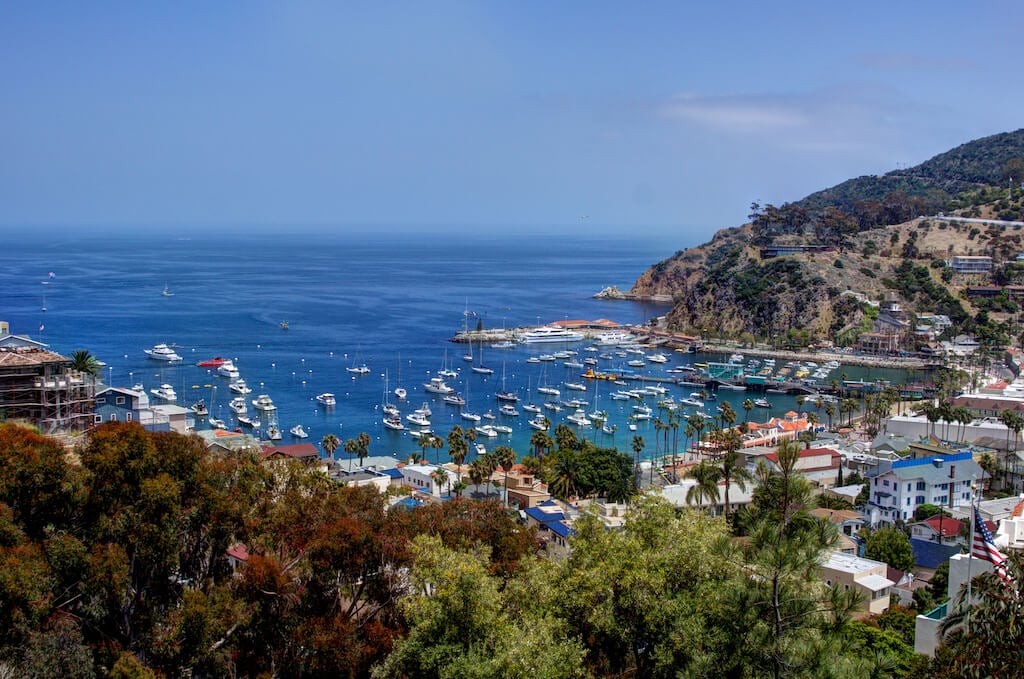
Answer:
(390, 300)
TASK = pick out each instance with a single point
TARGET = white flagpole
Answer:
(970, 559)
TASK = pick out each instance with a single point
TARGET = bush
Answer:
(867, 272)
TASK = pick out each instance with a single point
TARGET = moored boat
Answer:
(215, 362)
(326, 399)
(165, 392)
(162, 352)
(298, 432)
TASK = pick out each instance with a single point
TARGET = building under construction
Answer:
(40, 387)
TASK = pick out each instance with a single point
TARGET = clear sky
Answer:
(655, 116)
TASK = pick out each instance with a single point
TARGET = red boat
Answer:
(213, 362)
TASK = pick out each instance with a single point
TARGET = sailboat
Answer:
(400, 392)
(530, 407)
(392, 418)
(544, 388)
(167, 291)
(357, 368)
(468, 356)
(480, 368)
(467, 414)
(44, 301)
(446, 370)
(504, 394)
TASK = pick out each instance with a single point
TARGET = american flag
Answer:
(983, 547)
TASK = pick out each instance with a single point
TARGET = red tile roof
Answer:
(950, 527)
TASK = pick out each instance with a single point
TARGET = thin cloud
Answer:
(735, 113)
(905, 61)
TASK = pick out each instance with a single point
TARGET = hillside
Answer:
(868, 237)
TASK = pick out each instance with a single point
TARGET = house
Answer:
(117, 404)
(553, 520)
(223, 442)
(878, 343)
(420, 477)
(820, 466)
(238, 554)
(179, 419)
(939, 529)
(524, 490)
(307, 453)
(926, 627)
(771, 432)
(847, 521)
(863, 575)
(944, 481)
(361, 477)
(40, 386)
(970, 264)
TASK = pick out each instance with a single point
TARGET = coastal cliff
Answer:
(813, 265)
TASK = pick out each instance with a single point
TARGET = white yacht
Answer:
(538, 422)
(263, 402)
(550, 333)
(418, 419)
(248, 422)
(237, 404)
(393, 423)
(298, 432)
(436, 385)
(486, 430)
(240, 387)
(217, 424)
(508, 410)
(657, 358)
(361, 369)
(228, 369)
(326, 399)
(166, 392)
(614, 338)
(162, 352)
(273, 433)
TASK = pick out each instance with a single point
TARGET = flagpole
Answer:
(970, 559)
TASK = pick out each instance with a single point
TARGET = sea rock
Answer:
(611, 292)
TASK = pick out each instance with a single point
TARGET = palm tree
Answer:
(532, 465)
(848, 406)
(658, 426)
(84, 362)
(363, 446)
(731, 467)
(458, 449)
(437, 443)
(706, 475)
(638, 447)
(748, 405)
(565, 476)
(459, 486)
(728, 415)
(425, 441)
(830, 411)
(506, 457)
(351, 447)
(330, 444)
(478, 472)
(440, 476)
(812, 419)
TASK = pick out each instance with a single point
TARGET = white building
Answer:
(943, 481)
(863, 575)
(421, 477)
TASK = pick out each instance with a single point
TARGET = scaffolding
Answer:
(42, 388)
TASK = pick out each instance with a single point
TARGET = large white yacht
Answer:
(550, 333)
(616, 337)
(436, 385)
(165, 392)
(162, 352)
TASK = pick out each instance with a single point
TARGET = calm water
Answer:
(391, 302)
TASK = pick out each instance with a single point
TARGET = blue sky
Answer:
(659, 117)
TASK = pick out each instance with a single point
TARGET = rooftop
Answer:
(848, 563)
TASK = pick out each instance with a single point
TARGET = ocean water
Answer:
(389, 300)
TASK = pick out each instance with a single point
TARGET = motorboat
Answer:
(480, 449)
(228, 369)
(657, 358)
(505, 344)
(489, 416)
(326, 399)
(237, 404)
(418, 419)
(579, 418)
(240, 387)
(762, 403)
(273, 433)
(692, 402)
(539, 423)
(486, 430)
(436, 385)
(424, 410)
(575, 403)
(217, 424)
(636, 363)
(507, 396)
(394, 423)
(199, 408)
(162, 352)
(508, 410)
(401, 393)
(215, 362)
(454, 400)
(533, 359)
(390, 411)
(614, 338)
(553, 406)
(531, 408)
(298, 432)
(550, 333)
(472, 417)
(360, 369)
(165, 392)
(248, 421)
(263, 402)
(608, 429)
(501, 428)
(546, 357)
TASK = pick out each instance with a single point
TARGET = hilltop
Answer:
(883, 237)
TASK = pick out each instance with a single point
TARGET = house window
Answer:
(908, 501)
(97, 419)
(920, 486)
(127, 417)
(120, 400)
(101, 399)
(113, 417)
(909, 488)
(886, 483)
(919, 500)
